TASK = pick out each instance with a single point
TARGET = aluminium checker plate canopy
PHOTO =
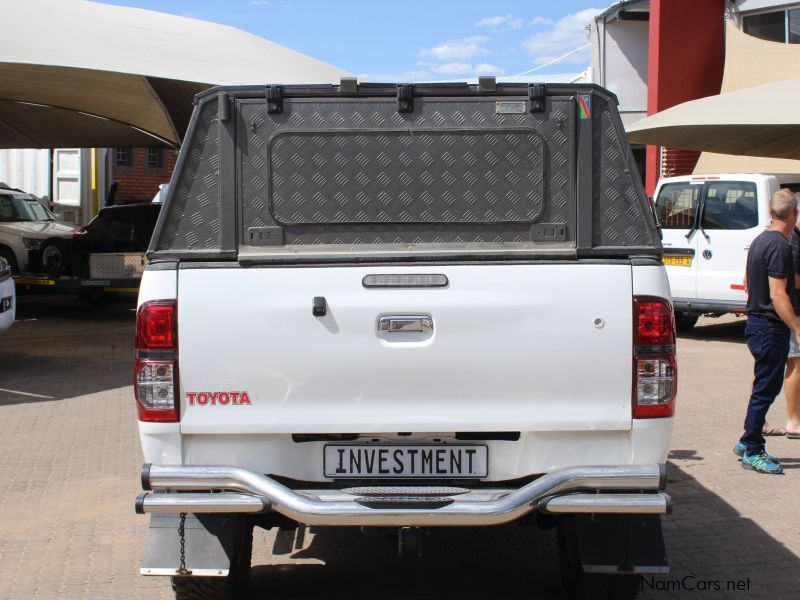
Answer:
(377, 171)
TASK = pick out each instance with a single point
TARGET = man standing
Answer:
(771, 318)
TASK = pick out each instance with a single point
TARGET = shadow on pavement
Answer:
(712, 330)
(60, 347)
(714, 552)
(513, 561)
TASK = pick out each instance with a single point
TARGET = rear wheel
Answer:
(685, 321)
(589, 586)
(10, 259)
(231, 587)
(55, 256)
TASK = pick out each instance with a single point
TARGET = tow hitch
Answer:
(409, 542)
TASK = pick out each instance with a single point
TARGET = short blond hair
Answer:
(782, 204)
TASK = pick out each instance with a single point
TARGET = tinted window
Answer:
(794, 26)
(676, 204)
(22, 208)
(730, 205)
(769, 26)
(6, 209)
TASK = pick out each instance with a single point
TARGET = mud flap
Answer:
(210, 542)
(619, 544)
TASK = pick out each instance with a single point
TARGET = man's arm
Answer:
(782, 303)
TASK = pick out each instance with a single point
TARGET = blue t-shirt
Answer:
(770, 255)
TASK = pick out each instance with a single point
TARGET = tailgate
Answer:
(511, 348)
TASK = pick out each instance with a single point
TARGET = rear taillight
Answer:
(155, 380)
(79, 233)
(655, 373)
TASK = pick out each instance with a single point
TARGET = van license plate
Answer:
(678, 261)
(406, 462)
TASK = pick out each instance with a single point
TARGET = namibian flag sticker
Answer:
(585, 105)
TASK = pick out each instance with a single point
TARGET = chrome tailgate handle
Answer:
(405, 323)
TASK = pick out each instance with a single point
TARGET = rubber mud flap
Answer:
(621, 544)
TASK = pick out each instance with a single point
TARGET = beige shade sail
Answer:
(752, 61)
(754, 116)
(758, 121)
(82, 74)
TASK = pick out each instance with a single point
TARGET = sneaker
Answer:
(758, 462)
(739, 450)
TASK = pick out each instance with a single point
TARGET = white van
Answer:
(708, 222)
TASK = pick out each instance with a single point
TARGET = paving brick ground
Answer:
(69, 462)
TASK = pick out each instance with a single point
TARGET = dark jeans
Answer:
(768, 342)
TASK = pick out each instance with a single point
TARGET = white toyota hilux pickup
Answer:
(405, 306)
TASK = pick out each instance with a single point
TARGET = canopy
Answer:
(757, 121)
(82, 74)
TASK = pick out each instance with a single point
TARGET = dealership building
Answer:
(655, 54)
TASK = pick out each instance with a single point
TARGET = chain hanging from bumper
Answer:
(182, 570)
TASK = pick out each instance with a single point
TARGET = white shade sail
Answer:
(83, 74)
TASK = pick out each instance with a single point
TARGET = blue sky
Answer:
(413, 39)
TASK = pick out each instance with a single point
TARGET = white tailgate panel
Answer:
(514, 347)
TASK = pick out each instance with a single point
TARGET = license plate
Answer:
(678, 261)
(405, 462)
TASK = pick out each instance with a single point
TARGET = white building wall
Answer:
(619, 63)
(27, 170)
(625, 67)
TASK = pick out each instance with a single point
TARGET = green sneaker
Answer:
(758, 462)
(739, 450)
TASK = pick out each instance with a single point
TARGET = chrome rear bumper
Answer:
(636, 490)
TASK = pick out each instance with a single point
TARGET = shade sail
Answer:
(752, 61)
(758, 121)
(127, 75)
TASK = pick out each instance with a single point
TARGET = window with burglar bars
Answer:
(123, 157)
(155, 158)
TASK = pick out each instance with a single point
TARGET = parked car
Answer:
(115, 229)
(8, 301)
(31, 237)
(405, 307)
(708, 222)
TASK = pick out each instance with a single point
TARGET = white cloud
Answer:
(564, 35)
(541, 21)
(458, 50)
(406, 76)
(488, 69)
(434, 71)
(500, 22)
(259, 2)
(459, 68)
(453, 68)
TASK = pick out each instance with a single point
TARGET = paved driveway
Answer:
(69, 462)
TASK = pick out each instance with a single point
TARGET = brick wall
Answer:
(139, 182)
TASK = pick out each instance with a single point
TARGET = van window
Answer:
(676, 204)
(730, 205)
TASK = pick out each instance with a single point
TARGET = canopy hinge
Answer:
(405, 98)
(274, 99)
(536, 97)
